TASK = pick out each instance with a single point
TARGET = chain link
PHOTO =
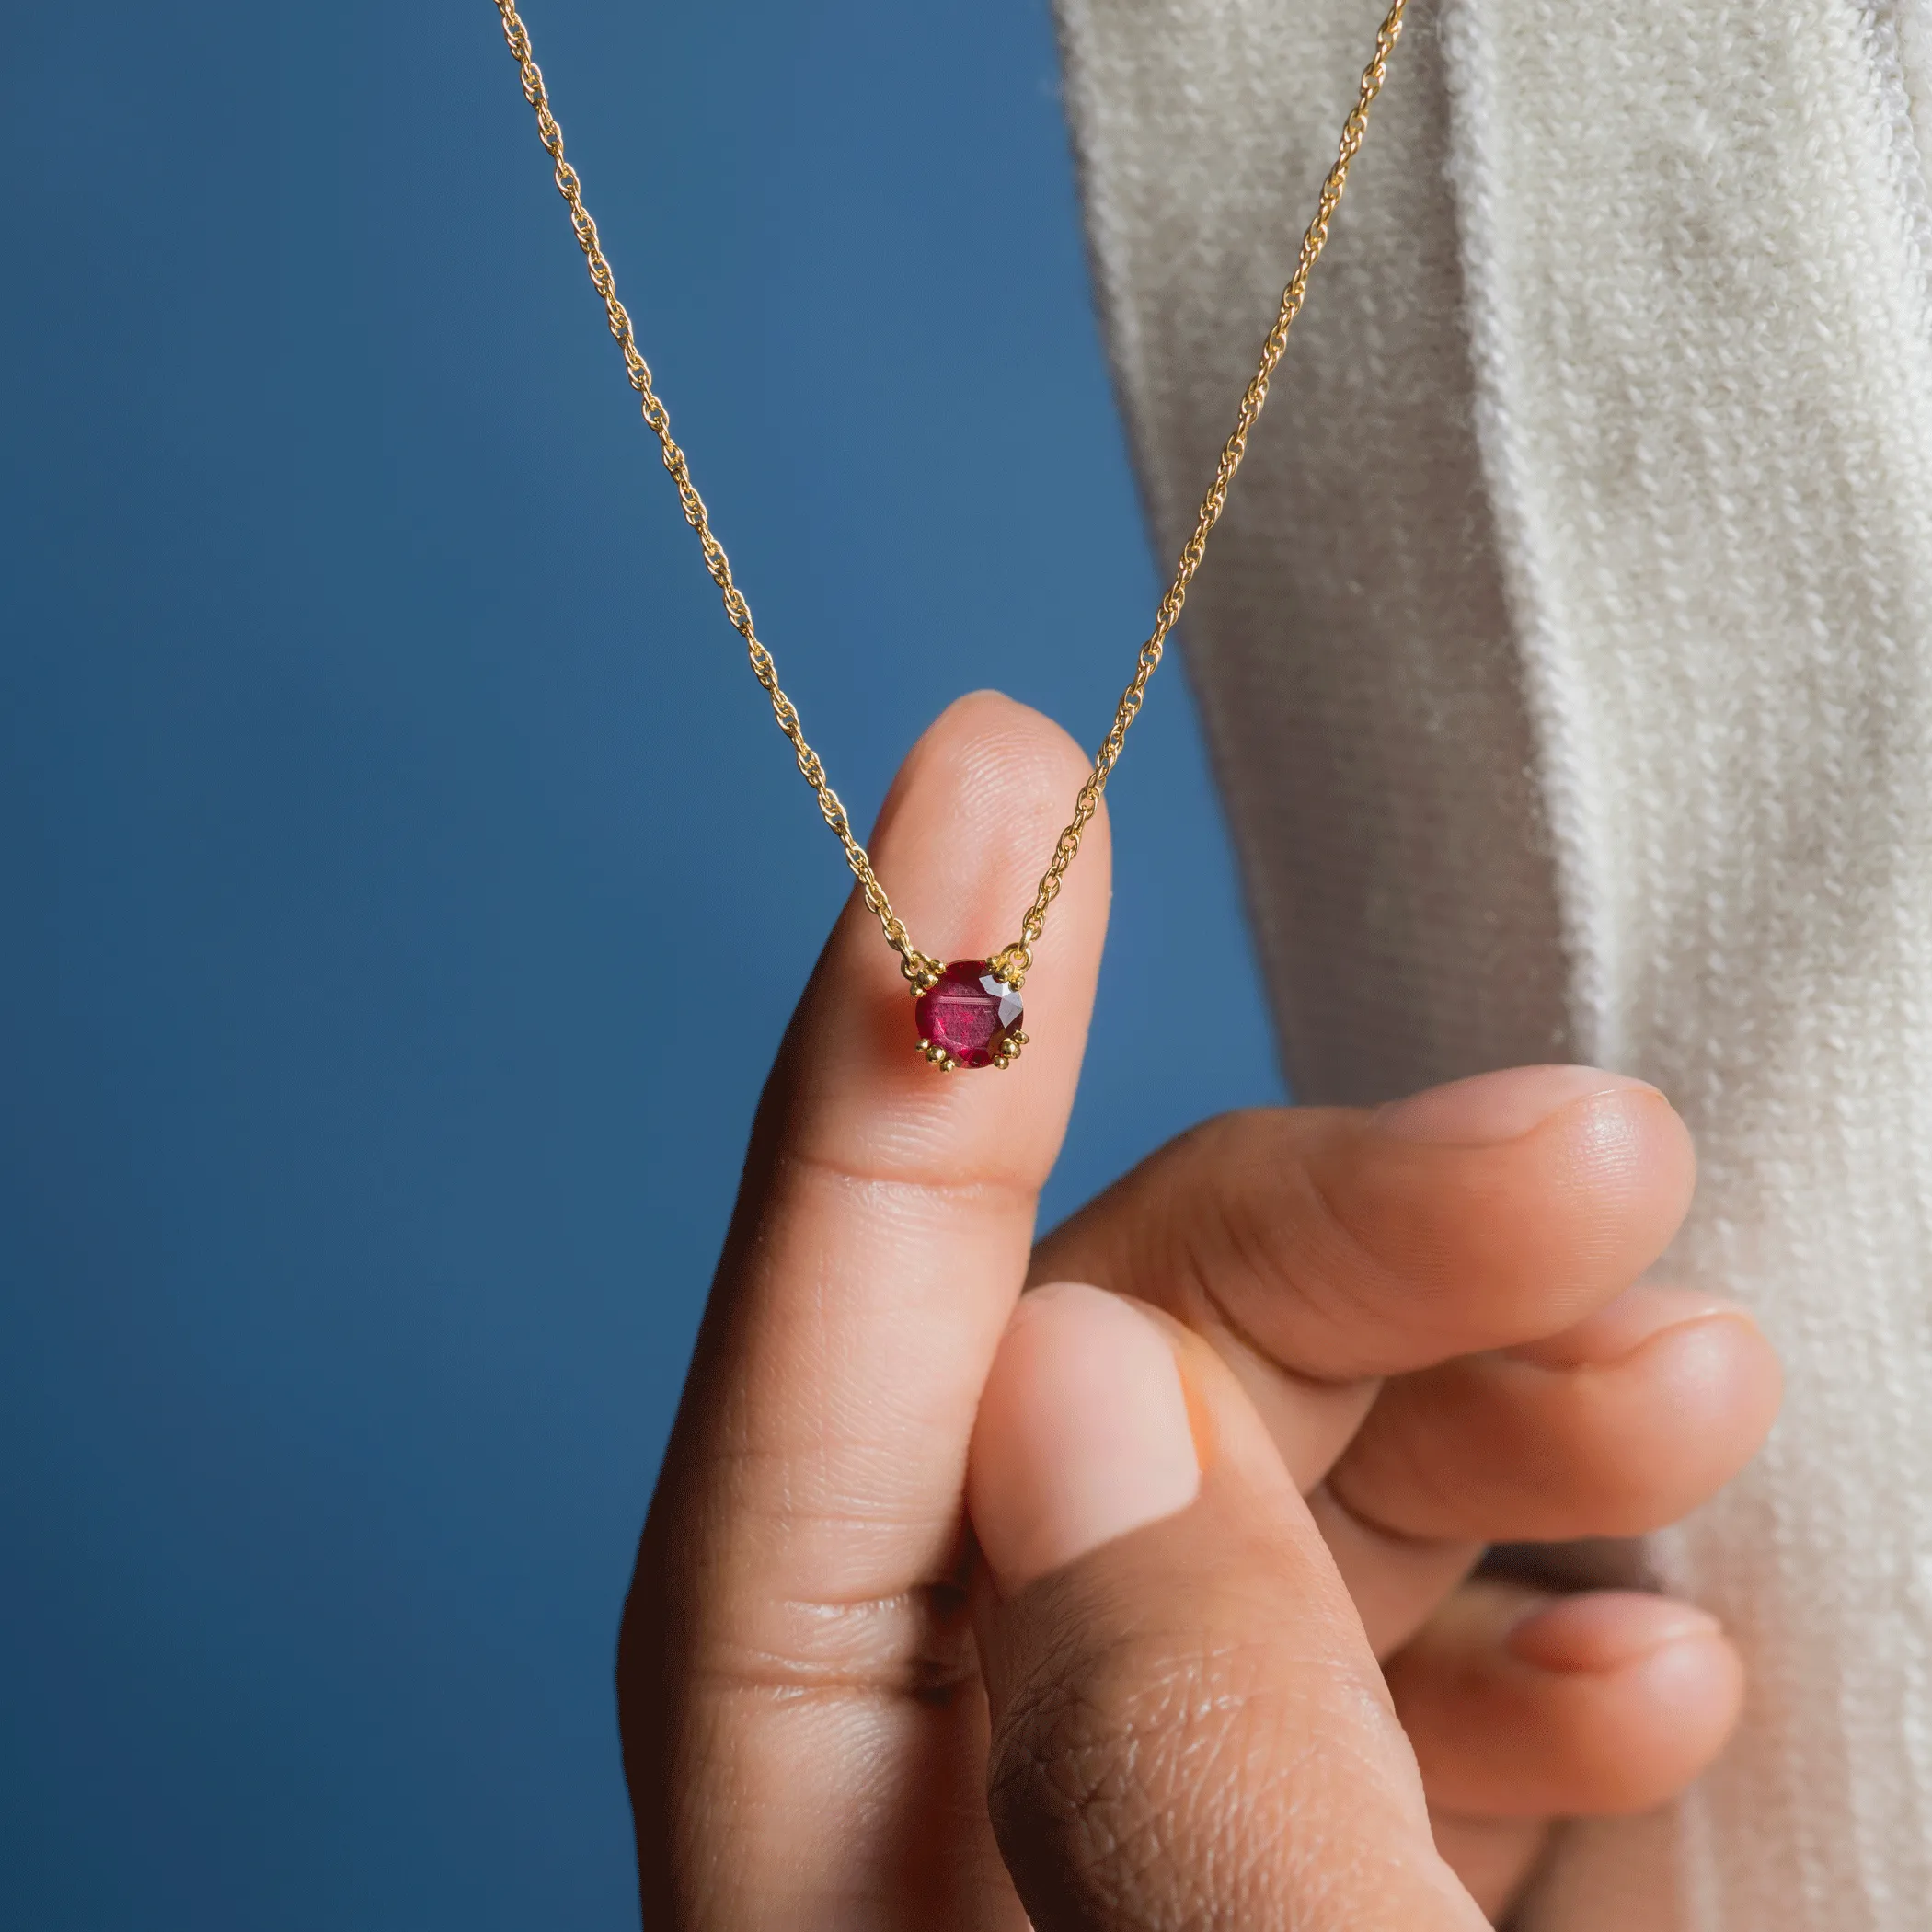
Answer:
(1017, 959)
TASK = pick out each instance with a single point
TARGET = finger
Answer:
(1494, 1857)
(1619, 1427)
(1342, 1244)
(1527, 1707)
(794, 1648)
(1188, 1726)
(1318, 1249)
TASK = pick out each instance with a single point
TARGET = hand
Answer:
(1363, 1346)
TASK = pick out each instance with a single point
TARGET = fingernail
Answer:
(1617, 1330)
(1604, 1630)
(1084, 1433)
(1487, 1109)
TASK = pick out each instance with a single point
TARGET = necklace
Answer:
(968, 1012)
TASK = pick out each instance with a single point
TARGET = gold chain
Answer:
(1014, 963)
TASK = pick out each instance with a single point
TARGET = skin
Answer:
(877, 1670)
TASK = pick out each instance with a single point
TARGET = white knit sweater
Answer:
(1567, 657)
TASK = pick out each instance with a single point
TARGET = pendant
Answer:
(970, 1016)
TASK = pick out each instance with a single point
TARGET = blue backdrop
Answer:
(404, 884)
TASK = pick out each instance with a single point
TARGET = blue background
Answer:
(404, 885)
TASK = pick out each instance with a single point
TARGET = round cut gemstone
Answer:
(971, 1012)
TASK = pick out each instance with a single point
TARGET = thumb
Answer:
(1189, 1729)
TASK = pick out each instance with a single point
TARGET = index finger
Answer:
(790, 1623)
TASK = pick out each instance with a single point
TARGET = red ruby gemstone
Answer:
(971, 1012)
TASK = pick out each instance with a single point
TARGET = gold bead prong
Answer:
(1011, 965)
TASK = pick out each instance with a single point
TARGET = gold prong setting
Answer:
(968, 1011)
(936, 1055)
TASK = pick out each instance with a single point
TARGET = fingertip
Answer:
(966, 831)
(990, 745)
(1601, 1127)
(1720, 1365)
(1698, 1362)
(1598, 1631)
(1528, 1707)
(1675, 1412)
(1616, 1333)
(1623, 1167)
(1661, 1688)
(1694, 1687)
(1614, 1428)
(1485, 1109)
(1662, 1682)
(1085, 1433)
(1630, 1148)
(1525, 1199)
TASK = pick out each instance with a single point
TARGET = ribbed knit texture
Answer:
(1567, 658)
